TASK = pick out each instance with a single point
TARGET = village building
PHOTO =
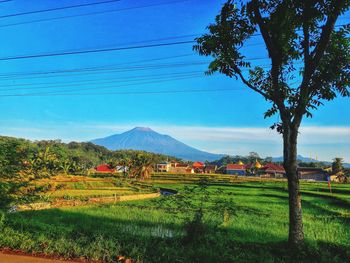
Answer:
(181, 168)
(236, 169)
(272, 170)
(312, 174)
(210, 169)
(104, 168)
(338, 177)
(163, 167)
(198, 167)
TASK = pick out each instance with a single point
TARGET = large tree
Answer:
(309, 58)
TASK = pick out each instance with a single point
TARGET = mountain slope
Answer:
(141, 138)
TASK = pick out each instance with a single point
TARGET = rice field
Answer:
(212, 219)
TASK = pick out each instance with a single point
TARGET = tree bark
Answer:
(296, 232)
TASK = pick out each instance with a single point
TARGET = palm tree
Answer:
(66, 166)
(142, 166)
(337, 165)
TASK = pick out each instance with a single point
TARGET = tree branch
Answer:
(263, 29)
(275, 59)
(246, 82)
(320, 48)
(311, 61)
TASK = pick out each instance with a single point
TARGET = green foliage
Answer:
(23, 162)
(337, 165)
(148, 231)
(293, 32)
(2, 218)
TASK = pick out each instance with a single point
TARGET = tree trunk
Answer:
(296, 232)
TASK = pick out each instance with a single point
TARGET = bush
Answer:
(2, 218)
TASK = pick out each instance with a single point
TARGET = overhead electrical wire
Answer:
(111, 70)
(143, 82)
(96, 82)
(116, 70)
(57, 8)
(93, 68)
(95, 50)
(103, 87)
(92, 13)
(126, 93)
(77, 52)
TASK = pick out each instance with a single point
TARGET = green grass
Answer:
(244, 221)
(80, 187)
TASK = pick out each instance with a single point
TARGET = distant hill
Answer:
(299, 158)
(308, 160)
(141, 138)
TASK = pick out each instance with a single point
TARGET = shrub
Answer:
(2, 218)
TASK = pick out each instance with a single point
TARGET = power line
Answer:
(99, 81)
(97, 88)
(105, 49)
(135, 80)
(126, 93)
(96, 50)
(77, 52)
(110, 70)
(118, 69)
(93, 68)
(92, 13)
(146, 82)
(58, 8)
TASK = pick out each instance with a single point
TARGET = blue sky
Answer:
(222, 121)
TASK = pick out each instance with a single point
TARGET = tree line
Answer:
(24, 162)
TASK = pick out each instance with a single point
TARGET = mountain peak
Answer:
(144, 129)
(144, 138)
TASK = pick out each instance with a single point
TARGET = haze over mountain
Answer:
(143, 138)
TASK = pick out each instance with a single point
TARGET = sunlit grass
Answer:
(153, 230)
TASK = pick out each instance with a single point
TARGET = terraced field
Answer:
(213, 218)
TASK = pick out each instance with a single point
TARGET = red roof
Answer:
(104, 168)
(198, 165)
(235, 167)
(273, 167)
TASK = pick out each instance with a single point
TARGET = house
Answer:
(272, 170)
(338, 177)
(237, 169)
(181, 169)
(210, 169)
(198, 167)
(163, 167)
(221, 169)
(311, 173)
(253, 168)
(104, 168)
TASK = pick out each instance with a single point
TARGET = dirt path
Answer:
(12, 258)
